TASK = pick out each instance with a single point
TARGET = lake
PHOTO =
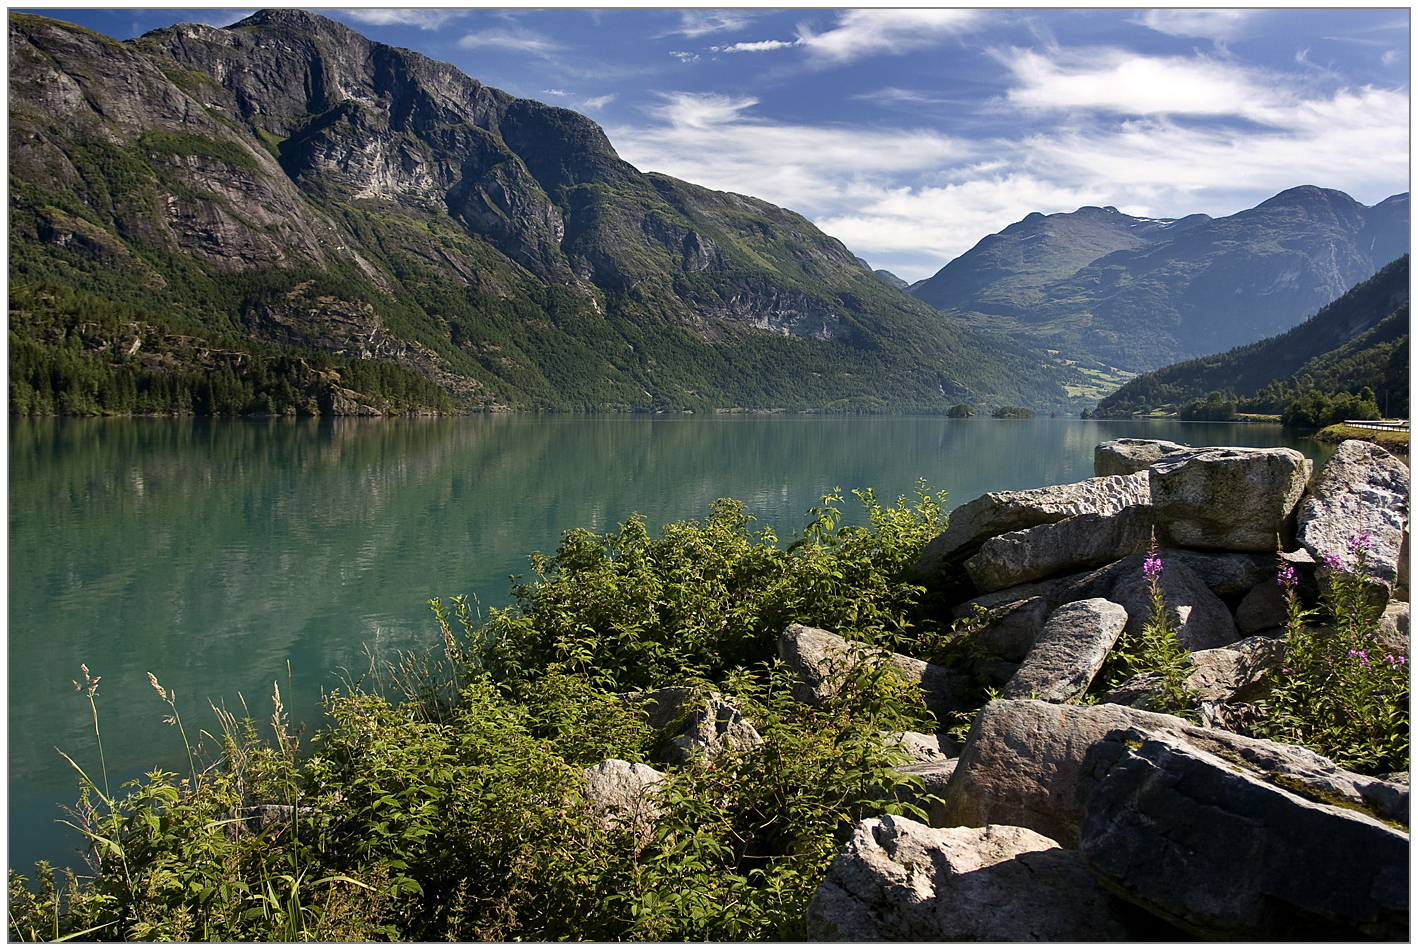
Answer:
(228, 556)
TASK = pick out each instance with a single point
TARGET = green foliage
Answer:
(1217, 406)
(747, 838)
(173, 860)
(1340, 691)
(1315, 410)
(960, 411)
(634, 611)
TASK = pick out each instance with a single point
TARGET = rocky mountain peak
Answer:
(287, 178)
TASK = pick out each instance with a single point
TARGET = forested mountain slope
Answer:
(1360, 340)
(283, 216)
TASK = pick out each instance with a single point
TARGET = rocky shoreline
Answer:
(1060, 820)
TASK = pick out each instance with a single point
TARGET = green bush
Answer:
(458, 812)
(633, 611)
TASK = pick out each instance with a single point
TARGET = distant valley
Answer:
(283, 217)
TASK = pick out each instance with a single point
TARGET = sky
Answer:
(911, 134)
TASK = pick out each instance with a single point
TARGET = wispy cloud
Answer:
(898, 96)
(518, 40)
(1218, 25)
(868, 32)
(598, 102)
(423, 18)
(694, 23)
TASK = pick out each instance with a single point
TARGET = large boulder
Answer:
(1236, 672)
(622, 795)
(1360, 492)
(1226, 497)
(996, 513)
(1228, 853)
(1068, 545)
(1126, 456)
(1263, 608)
(899, 880)
(1023, 765)
(821, 662)
(1069, 651)
(1199, 618)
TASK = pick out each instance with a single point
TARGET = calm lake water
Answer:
(228, 556)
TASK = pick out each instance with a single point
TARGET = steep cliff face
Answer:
(501, 239)
(1165, 291)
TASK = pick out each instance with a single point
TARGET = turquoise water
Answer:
(228, 556)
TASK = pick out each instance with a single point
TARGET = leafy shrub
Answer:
(631, 611)
(460, 813)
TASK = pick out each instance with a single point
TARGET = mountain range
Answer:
(283, 216)
(1140, 293)
(286, 190)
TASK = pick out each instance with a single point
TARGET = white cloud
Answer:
(523, 41)
(598, 102)
(1122, 82)
(761, 46)
(866, 32)
(1218, 25)
(685, 57)
(424, 19)
(702, 22)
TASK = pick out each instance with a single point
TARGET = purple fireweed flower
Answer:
(1359, 543)
(1333, 562)
(1287, 577)
(1152, 568)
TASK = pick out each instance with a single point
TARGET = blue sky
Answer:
(910, 134)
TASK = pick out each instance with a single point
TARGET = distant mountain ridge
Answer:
(1140, 293)
(1360, 340)
(183, 200)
